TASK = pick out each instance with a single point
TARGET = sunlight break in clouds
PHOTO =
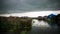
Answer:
(32, 14)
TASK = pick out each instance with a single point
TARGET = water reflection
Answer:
(40, 23)
(41, 27)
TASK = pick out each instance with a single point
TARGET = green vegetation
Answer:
(15, 24)
(23, 32)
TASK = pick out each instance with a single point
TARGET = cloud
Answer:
(9, 6)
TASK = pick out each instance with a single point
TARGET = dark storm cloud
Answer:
(9, 6)
(1, 7)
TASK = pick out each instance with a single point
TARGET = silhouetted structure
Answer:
(40, 18)
(45, 18)
(57, 20)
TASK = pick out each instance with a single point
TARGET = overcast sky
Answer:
(17, 6)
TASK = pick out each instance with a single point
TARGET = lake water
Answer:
(41, 27)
